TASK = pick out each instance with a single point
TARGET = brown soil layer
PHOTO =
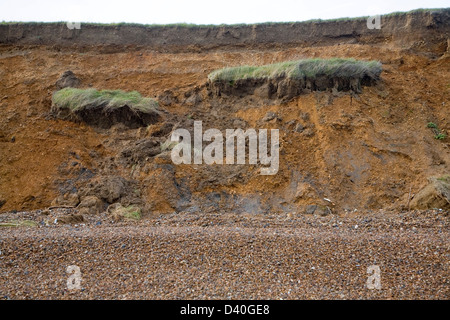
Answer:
(342, 154)
(425, 31)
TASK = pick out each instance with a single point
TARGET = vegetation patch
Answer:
(19, 223)
(119, 212)
(78, 99)
(302, 69)
(105, 108)
(292, 78)
(192, 25)
(438, 134)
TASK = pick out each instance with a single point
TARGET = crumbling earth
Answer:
(343, 155)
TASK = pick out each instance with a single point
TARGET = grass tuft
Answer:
(301, 69)
(78, 99)
(192, 25)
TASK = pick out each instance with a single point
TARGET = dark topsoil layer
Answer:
(424, 30)
(286, 88)
(100, 116)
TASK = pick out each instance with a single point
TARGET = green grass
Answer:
(445, 178)
(19, 223)
(309, 68)
(132, 212)
(420, 10)
(78, 99)
(438, 135)
(192, 25)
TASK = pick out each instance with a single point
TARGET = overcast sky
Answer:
(201, 11)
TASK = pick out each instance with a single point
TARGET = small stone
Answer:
(299, 128)
(67, 79)
(322, 211)
(71, 218)
(193, 100)
(308, 132)
(69, 199)
(311, 209)
(304, 116)
(270, 116)
(119, 212)
(90, 205)
(166, 98)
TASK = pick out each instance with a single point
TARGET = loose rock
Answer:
(67, 79)
(90, 205)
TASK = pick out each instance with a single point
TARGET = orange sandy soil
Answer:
(366, 153)
(379, 140)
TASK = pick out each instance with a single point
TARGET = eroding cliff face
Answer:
(426, 31)
(345, 144)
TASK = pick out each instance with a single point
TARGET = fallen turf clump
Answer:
(105, 108)
(301, 69)
(287, 79)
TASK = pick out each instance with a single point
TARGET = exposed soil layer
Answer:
(425, 31)
(286, 88)
(354, 166)
(102, 117)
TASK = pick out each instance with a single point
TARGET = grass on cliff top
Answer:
(78, 99)
(193, 25)
(300, 69)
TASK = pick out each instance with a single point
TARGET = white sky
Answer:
(201, 11)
